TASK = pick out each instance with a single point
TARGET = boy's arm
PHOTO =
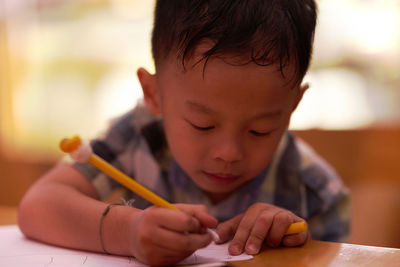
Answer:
(62, 208)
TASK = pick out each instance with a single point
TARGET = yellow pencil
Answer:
(82, 153)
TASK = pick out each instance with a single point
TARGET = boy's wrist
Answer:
(106, 210)
(117, 230)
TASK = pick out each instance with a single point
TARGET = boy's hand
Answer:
(164, 236)
(261, 222)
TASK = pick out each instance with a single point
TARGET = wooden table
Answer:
(319, 253)
(313, 253)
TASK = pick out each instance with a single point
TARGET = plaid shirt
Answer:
(296, 179)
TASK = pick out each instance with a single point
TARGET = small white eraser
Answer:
(214, 235)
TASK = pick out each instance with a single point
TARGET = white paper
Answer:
(17, 250)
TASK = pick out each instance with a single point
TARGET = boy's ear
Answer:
(300, 94)
(150, 92)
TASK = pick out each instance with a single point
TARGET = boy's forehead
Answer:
(220, 78)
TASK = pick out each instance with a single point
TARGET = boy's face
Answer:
(224, 127)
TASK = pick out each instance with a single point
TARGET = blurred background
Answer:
(68, 67)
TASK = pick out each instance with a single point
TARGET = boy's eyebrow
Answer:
(199, 107)
(204, 109)
(269, 114)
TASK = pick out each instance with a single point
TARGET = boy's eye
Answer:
(200, 128)
(259, 133)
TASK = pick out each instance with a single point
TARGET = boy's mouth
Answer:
(222, 178)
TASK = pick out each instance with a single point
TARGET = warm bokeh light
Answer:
(336, 99)
(360, 27)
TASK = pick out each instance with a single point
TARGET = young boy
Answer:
(212, 134)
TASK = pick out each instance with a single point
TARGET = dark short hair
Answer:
(261, 31)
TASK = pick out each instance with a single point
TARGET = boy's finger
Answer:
(206, 219)
(295, 240)
(226, 230)
(179, 242)
(242, 233)
(280, 224)
(175, 220)
(192, 208)
(259, 232)
(201, 213)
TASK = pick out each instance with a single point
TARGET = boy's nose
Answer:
(229, 150)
